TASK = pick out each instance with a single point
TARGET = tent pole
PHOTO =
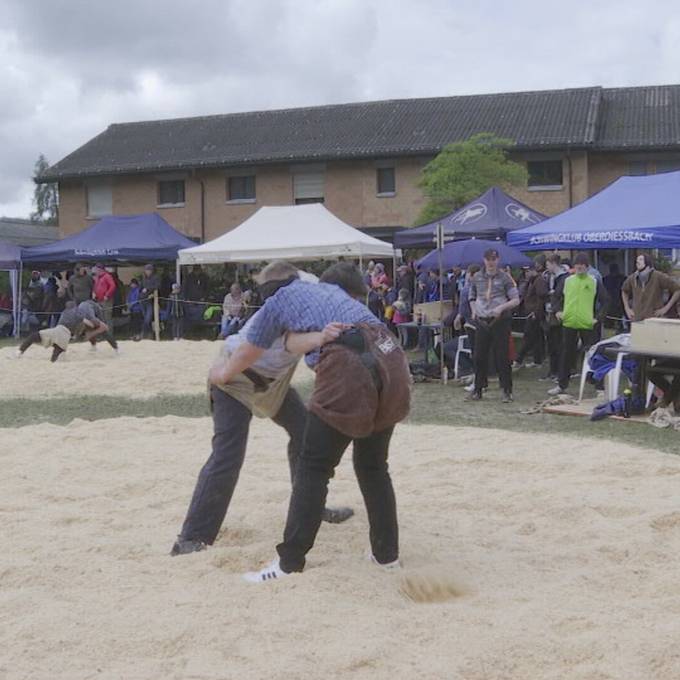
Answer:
(178, 272)
(17, 302)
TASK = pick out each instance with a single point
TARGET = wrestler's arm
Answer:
(302, 343)
(244, 357)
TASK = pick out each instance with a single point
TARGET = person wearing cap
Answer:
(262, 390)
(150, 283)
(493, 295)
(582, 295)
(103, 291)
(80, 285)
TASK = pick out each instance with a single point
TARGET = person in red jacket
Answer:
(103, 291)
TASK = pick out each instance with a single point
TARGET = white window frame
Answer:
(530, 158)
(171, 178)
(240, 201)
(385, 165)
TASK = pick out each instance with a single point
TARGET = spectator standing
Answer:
(150, 284)
(535, 296)
(647, 288)
(103, 292)
(80, 285)
(406, 280)
(493, 294)
(613, 283)
(176, 311)
(32, 302)
(582, 295)
(233, 308)
(555, 275)
(135, 310)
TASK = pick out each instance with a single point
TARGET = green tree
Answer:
(464, 170)
(45, 196)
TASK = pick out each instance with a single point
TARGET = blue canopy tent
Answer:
(491, 216)
(10, 261)
(632, 212)
(471, 251)
(132, 238)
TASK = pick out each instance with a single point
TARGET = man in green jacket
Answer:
(582, 295)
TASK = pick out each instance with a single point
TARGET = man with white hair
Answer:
(264, 390)
(362, 389)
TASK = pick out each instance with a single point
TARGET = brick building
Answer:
(205, 175)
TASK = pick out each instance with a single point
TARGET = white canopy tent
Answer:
(292, 232)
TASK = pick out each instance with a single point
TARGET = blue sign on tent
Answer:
(491, 216)
(632, 212)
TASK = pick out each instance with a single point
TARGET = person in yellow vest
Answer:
(582, 295)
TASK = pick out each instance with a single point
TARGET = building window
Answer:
(241, 189)
(385, 180)
(637, 168)
(309, 186)
(545, 174)
(668, 166)
(99, 199)
(170, 192)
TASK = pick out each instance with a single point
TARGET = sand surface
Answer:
(143, 369)
(552, 559)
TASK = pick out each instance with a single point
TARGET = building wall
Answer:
(350, 192)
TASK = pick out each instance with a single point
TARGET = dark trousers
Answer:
(568, 355)
(493, 339)
(136, 319)
(218, 477)
(35, 337)
(671, 390)
(554, 338)
(177, 323)
(322, 450)
(534, 341)
(147, 307)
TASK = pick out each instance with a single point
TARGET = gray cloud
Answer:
(69, 68)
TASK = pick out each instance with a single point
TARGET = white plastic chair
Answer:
(461, 349)
(615, 374)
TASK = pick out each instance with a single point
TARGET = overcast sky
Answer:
(69, 68)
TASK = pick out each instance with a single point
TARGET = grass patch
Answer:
(432, 404)
(62, 410)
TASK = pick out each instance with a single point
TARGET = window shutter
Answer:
(308, 185)
(99, 199)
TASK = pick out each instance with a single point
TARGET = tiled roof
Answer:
(22, 232)
(576, 118)
(639, 118)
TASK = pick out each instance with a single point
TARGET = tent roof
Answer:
(297, 232)
(142, 238)
(491, 215)
(632, 212)
(10, 255)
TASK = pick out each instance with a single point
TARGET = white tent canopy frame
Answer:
(293, 232)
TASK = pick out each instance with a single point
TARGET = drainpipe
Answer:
(200, 181)
(571, 179)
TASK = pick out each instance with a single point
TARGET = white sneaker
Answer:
(18, 354)
(531, 364)
(554, 391)
(470, 387)
(268, 573)
(390, 566)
